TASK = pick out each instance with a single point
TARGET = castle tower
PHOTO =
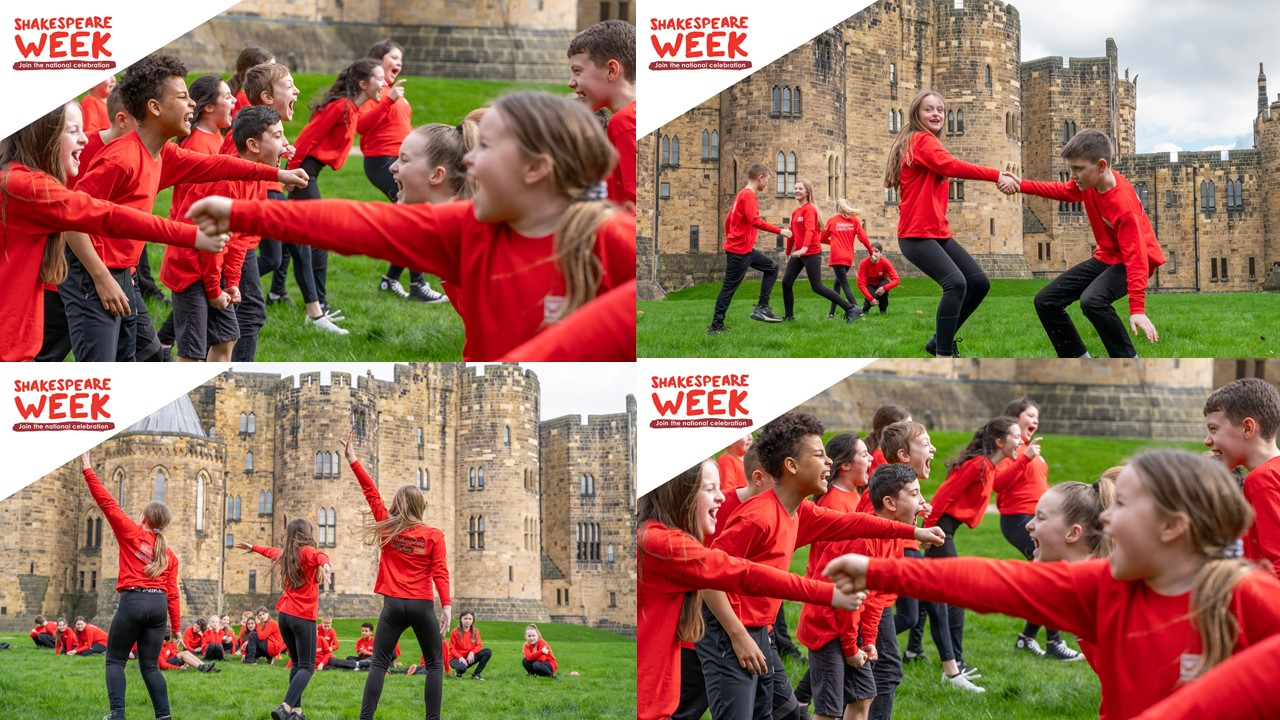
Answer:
(1268, 144)
(1262, 103)
(496, 499)
(44, 542)
(977, 73)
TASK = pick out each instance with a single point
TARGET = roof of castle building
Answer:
(178, 417)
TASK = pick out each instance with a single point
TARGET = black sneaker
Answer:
(279, 713)
(853, 314)
(1060, 651)
(931, 346)
(1028, 644)
(764, 313)
(911, 656)
(788, 318)
(394, 287)
(273, 298)
(477, 677)
(831, 316)
(716, 329)
(424, 293)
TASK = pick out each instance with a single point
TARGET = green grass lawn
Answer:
(382, 327)
(1218, 325)
(34, 684)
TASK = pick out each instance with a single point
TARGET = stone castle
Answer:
(829, 111)
(510, 40)
(537, 515)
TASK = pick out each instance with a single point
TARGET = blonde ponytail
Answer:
(156, 515)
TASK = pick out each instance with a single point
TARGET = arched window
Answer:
(231, 508)
(782, 174)
(471, 533)
(323, 530)
(244, 423)
(791, 173)
(480, 479)
(252, 424)
(471, 481)
(200, 503)
(1240, 192)
(795, 105)
(706, 145)
(333, 527)
(715, 145)
(270, 502)
(237, 507)
(959, 122)
(786, 101)
(421, 439)
(119, 477)
(675, 151)
(1213, 205)
(666, 150)
(951, 121)
(893, 121)
(986, 78)
(319, 463)
(899, 119)
(610, 556)
(777, 100)
(328, 463)
(160, 479)
(248, 461)
(480, 533)
(1008, 123)
(1231, 193)
(262, 502)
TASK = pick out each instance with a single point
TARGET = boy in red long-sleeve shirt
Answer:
(602, 63)
(1242, 418)
(94, 106)
(732, 474)
(45, 633)
(740, 227)
(876, 277)
(767, 529)
(1126, 256)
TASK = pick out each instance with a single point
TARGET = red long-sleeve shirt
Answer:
(446, 240)
(1017, 494)
(199, 141)
(328, 135)
(540, 652)
(193, 639)
(763, 532)
(125, 173)
(461, 643)
(383, 125)
(873, 273)
(1120, 227)
(413, 560)
(183, 267)
(242, 102)
(91, 148)
(1242, 687)
(49, 627)
(137, 551)
(229, 640)
(95, 113)
(621, 130)
(603, 330)
(1142, 639)
(732, 501)
(168, 655)
(840, 233)
(805, 231)
(304, 601)
(330, 636)
(820, 624)
(924, 184)
(1262, 490)
(742, 222)
(269, 632)
(670, 564)
(90, 636)
(732, 473)
(966, 492)
(64, 641)
(36, 205)
(364, 647)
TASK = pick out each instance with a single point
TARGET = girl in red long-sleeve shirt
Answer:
(90, 640)
(65, 638)
(843, 229)
(534, 236)
(465, 647)
(922, 169)
(412, 560)
(301, 566)
(1243, 687)
(1170, 603)
(804, 252)
(148, 587)
(538, 658)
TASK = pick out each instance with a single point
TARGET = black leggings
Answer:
(909, 614)
(213, 651)
(1014, 528)
(399, 614)
(299, 637)
(378, 170)
(142, 618)
(319, 257)
(964, 284)
(841, 285)
(482, 658)
(812, 265)
(538, 668)
(946, 622)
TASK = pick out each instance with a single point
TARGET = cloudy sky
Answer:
(1196, 60)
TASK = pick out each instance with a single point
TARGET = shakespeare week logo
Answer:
(685, 401)
(699, 43)
(63, 404)
(63, 43)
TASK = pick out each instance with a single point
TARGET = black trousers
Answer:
(319, 257)
(908, 608)
(57, 338)
(398, 615)
(693, 687)
(946, 623)
(537, 668)
(301, 256)
(482, 658)
(735, 270)
(299, 635)
(255, 647)
(732, 694)
(251, 313)
(142, 618)
(1096, 285)
(146, 283)
(1014, 528)
(887, 670)
(96, 336)
(882, 301)
(964, 284)
(45, 640)
(812, 266)
(841, 286)
(213, 651)
(378, 169)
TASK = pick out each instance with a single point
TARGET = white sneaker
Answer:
(324, 323)
(962, 682)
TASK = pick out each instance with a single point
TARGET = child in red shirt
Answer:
(465, 647)
(740, 227)
(45, 633)
(732, 474)
(94, 106)
(876, 277)
(1126, 255)
(843, 229)
(1243, 687)
(504, 238)
(804, 252)
(193, 636)
(1169, 580)
(602, 66)
(538, 658)
(90, 640)
(1242, 418)
(921, 168)
(301, 566)
(64, 639)
(412, 561)
(599, 332)
(264, 640)
(250, 57)
(148, 588)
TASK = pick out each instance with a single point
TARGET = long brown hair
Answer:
(156, 514)
(39, 147)
(808, 197)
(473, 630)
(983, 441)
(675, 504)
(1217, 515)
(900, 151)
(885, 416)
(249, 57)
(406, 510)
(580, 155)
(299, 533)
(347, 84)
(447, 145)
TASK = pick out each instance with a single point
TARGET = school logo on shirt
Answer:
(699, 43)
(685, 401)
(551, 307)
(1187, 667)
(63, 404)
(63, 43)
